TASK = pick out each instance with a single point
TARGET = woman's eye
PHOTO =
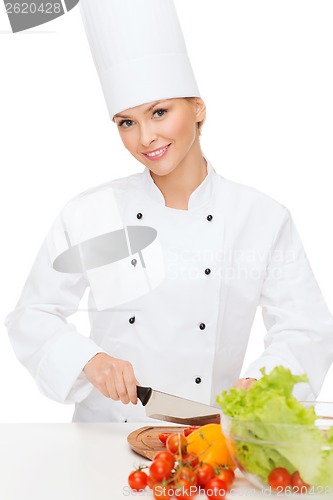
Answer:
(160, 112)
(125, 123)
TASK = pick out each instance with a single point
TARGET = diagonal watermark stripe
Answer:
(23, 15)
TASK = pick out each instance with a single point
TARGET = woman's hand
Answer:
(113, 377)
(244, 383)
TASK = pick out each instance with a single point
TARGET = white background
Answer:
(265, 71)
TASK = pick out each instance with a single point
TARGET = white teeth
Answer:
(155, 153)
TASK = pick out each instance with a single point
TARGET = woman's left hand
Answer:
(244, 383)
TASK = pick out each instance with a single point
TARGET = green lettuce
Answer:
(269, 413)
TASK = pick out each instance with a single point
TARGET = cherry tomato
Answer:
(190, 459)
(184, 490)
(160, 469)
(279, 478)
(204, 472)
(176, 443)
(164, 436)
(165, 455)
(297, 483)
(137, 480)
(215, 488)
(188, 474)
(151, 482)
(188, 430)
(227, 475)
(162, 491)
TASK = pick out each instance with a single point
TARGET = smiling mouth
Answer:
(157, 153)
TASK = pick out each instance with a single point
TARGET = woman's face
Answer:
(161, 134)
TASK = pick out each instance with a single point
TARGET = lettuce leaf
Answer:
(269, 412)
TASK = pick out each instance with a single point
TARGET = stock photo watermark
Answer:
(161, 491)
(24, 15)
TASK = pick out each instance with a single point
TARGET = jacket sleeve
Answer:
(298, 322)
(51, 348)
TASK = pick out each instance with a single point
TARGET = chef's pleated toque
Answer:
(139, 51)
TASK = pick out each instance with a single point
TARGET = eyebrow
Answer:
(145, 112)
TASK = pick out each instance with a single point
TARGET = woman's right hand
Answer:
(113, 377)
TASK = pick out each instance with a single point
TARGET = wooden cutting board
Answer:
(145, 442)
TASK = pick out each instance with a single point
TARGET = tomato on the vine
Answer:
(227, 475)
(279, 478)
(151, 482)
(185, 490)
(190, 459)
(204, 472)
(163, 436)
(162, 491)
(160, 469)
(165, 455)
(188, 474)
(297, 483)
(137, 480)
(215, 488)
(176, 443)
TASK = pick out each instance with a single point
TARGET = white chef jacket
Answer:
(233, 250)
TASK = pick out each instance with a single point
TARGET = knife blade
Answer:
(169, 408)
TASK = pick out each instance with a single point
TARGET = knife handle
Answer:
(144, 394)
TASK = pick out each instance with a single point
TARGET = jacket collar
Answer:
(199, 197)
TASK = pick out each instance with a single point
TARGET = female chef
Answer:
(177, 259)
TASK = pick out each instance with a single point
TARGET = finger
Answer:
(104, 389)
(244, 383)
(249, 383)
(121, 388)
(238, 384)
(131, 383)
(111, 389)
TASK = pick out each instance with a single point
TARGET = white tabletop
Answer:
(78, 462)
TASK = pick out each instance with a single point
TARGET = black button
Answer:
(198, 380)
(209, 217)
(134, 262)
(131, 320)
(207, 271)
(202, 326)
(139, 215)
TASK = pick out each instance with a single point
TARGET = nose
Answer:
(147, 134)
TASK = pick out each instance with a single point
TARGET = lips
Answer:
(156, 153)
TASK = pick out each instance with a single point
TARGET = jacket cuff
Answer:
(59, 375)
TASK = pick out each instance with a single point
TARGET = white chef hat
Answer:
(139, 51)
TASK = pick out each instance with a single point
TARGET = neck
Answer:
(178, 185)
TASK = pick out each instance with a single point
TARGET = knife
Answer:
(171, 408)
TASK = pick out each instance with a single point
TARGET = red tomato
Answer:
(160, 469)
(297, 483)
(190, 459)
(150, 482)
(185, 490)
(188, 430)
(227, 475)
(137, 480)
(279, 478)
(204, 472)
(215, 488)
(176, 443)
(165, 455)
(188, 474)
(162, 491)
(164, 436)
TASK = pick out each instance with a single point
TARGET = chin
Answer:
(161, 172)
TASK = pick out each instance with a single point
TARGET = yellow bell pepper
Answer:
(209, 443)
